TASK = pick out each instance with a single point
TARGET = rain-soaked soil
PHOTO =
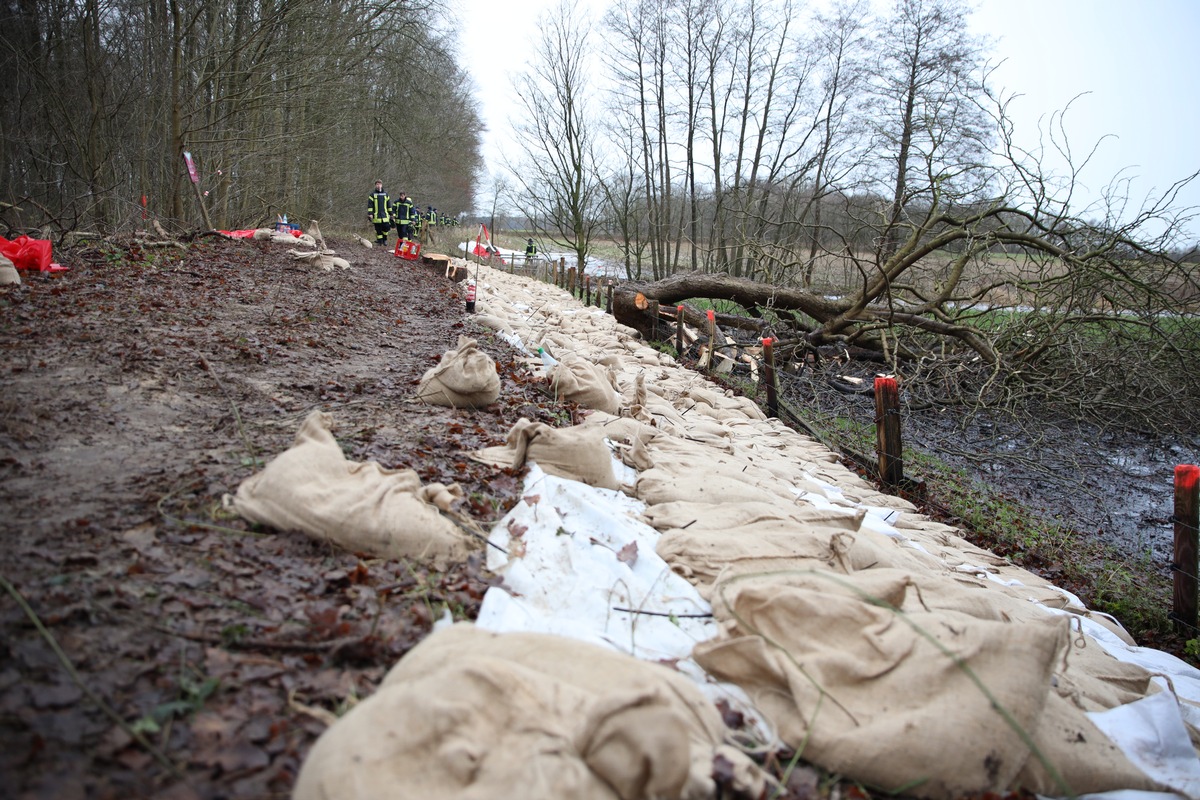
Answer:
(153, 644)
(138, 388)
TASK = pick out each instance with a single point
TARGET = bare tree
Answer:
(927, 87)
(557, 173)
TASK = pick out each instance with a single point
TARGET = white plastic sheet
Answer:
(581, 564)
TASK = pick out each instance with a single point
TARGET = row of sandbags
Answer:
(889, 647)
(881, 645)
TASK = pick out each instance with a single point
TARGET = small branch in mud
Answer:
(236, 414)
(84, 687)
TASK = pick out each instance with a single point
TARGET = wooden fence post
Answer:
(712, 340)
(1185, 567)
(679, 331)
(608, 300)
(587, 286)
(571, 281)
(769, 375)
(887, 431)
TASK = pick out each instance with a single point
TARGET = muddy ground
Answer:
(1102, 482)
(138, 389)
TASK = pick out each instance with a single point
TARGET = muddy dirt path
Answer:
(137, 389)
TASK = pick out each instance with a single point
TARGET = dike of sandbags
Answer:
(889, 648)
(679, 530)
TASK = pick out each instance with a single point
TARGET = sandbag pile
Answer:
(889, 648)
(321, 259)
(362, 507)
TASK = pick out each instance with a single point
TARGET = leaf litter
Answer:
(139, 391)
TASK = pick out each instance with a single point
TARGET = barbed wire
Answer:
(1177, 568)
(1172, 617)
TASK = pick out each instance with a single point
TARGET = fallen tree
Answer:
(986, 304)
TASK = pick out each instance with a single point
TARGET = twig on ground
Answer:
(667, 614)
(236, 414)
(109, 712)
(260, 644)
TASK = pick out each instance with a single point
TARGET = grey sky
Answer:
(1133, 68)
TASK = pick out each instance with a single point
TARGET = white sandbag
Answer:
(8, 273)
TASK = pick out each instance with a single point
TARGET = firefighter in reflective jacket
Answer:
(402, 215)
(428, 220)
(417, 228)
(377, 212)
(530, 251)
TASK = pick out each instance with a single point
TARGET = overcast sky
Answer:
(1136, 65)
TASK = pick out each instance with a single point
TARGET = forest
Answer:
(286, 108)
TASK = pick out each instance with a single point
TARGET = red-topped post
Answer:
(769, 375)
(1187, 525)
(887, 430)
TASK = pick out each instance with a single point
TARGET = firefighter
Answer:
(418, 227)
(530, 251)
(377, 212)
(428, 223)
(402, 215)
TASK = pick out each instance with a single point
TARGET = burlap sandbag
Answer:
(578, 380)
(726, 405)
(312, 487)
(701, 541)
(470, 714)
(8, 273)
(577, 453)
(889, 701)
(466, 377)
(322, 259)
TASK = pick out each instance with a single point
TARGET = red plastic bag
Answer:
(26, 253)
